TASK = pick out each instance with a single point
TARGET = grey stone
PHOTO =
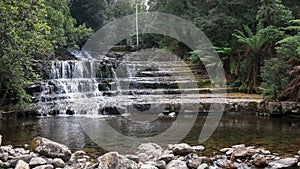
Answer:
(113, 160)
(35, 161)
(283, 163)
(143, 157)
(167, 157)
(224, 150)
(132, 157)
(151, 149)
(260, 161)
(0, 140)
(203, 166)
(48, 166)
(177, 164)
(50, 148)
(193, 161)
(26, 158)
(22, 165)
(198, 148)
(4, 156)
(182, 149)
(147, 166)
(243, 152)
(58, 163)
(161, 164)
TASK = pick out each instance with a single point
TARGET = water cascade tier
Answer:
(122, 83)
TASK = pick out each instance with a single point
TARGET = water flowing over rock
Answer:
(50, 148)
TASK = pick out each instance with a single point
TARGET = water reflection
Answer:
(278, 135)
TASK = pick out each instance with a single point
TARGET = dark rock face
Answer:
(50, 148)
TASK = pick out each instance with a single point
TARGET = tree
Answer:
(289, 48)
(64, 33)
(23, 37)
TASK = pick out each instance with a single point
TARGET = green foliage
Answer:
(275, 77)
(96, 13)
(273, 12)
(64, 34)
(290, 45)
(23, 37)
(32, 30)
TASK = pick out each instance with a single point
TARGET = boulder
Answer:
(50, 148)
(203, 166)
(4, 156)
(35, 161)
(243, 152)
(167, 157)
(177, 164)
(260, 161)
(25, 158)
(22, 165)
(182, 149)
(193, 161)
(0, 140)
(283, 163)
(151, 149)
(113, 160)
(58, 163)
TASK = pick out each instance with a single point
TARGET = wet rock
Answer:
(0, 140)
(22, 165)
(48, 166)
(177, 164)
(143, 157)
(58, 163)
(260, 161)
(26, 158)
(50, 148)
(224, 150)
(160, 164)
(203, 166)
(148, 166)
(298, 165)
(151, 149)
(4, 156)
(182, 149)
(298, 152)
(198, 148)
(283, 163)
(35, 161)
(167, 157)
(113, 160)
(134, 158)
(193, 161)
(243, 152)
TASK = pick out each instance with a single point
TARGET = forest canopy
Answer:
(257, 40)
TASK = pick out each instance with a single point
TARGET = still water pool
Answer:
(277, 135)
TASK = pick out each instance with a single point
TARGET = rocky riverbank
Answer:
(46, 154)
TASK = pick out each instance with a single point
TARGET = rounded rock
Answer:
(22, 165)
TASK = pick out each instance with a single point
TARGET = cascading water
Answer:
(86, 86)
